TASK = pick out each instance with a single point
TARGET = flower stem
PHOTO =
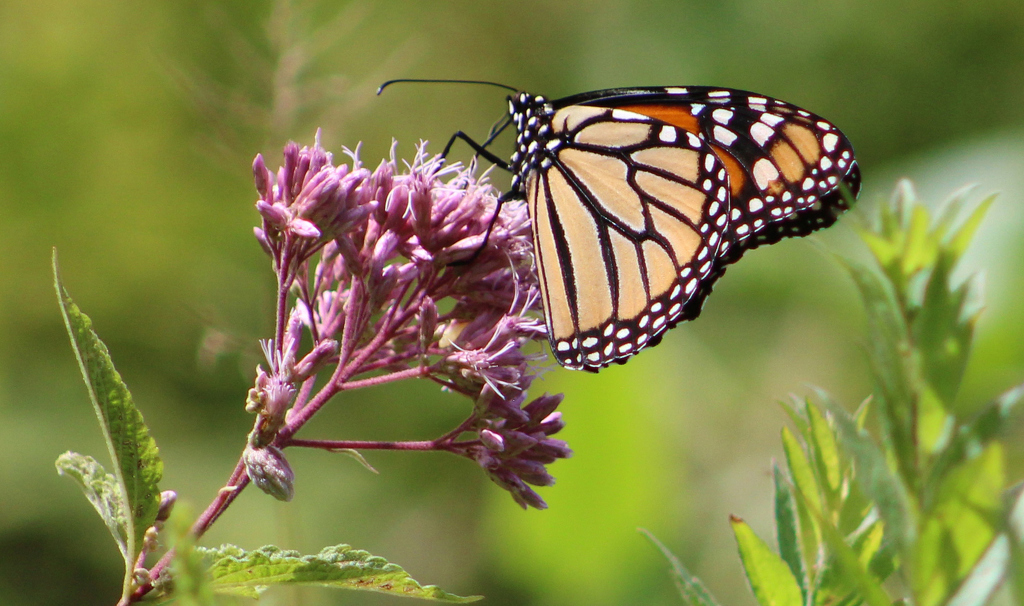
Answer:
(365, 445)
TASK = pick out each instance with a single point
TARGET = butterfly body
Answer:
(641, 197)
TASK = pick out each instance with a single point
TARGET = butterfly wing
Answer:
(629, 214)
(790, 171)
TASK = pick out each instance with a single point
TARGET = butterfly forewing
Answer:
(629, 214)
(787, 167)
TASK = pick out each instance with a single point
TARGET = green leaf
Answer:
(796, 409)
(103, 492)
(803, 477)
(973, 436)
(1015, 523)
(691, 589)
(770, 578)
(800, 468)
(960, 526)
(959, 241)
(137, 464)
(891, 357)
(986, 576)
(849, 567)
(876, 479)
(787, 531)
(826, 453)
(248, 573)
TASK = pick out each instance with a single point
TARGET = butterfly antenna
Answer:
(421, 80)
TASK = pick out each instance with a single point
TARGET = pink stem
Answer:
(236, 483)
(365, 445)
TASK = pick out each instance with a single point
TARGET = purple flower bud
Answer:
(274, 214)
(492, 440)
(167, 500)
(261, 237)
(552, 424)
(315, 360)
(543, 406)
(292, 340)
(262, 176)
(269, 471)
(304, 229)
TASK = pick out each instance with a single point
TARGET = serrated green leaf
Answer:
(973, 436)
(943, 338)
(959, 526)
(800, 467)
(787, 531)
(876, 480)
(770, 578)
(102, 490)
(137, 464)
(826, 453)
(852, 572)
(891, 357)
(248, 573)
(691, 589)
(803, 477)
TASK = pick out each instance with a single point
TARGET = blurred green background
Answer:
(127, 130)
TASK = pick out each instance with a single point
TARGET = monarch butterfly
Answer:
(640, 198)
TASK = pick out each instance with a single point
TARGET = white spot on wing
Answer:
(667, 134)
(764, 172)
(621, 114)
(724, 135)
(771, 119)
(829, 142)
(722, 116)
(761, 132)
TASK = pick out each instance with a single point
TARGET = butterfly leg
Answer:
(479, 149)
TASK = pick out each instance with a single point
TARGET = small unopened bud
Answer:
(254, 401)
(149, 539)
(270, 472)
(167, 500)
(141, 576)
(261, 237)
(315, 360)
(428, 322)
(292, 339)
(304, 229)
(261, 175)
(274, 214)
(492, 440)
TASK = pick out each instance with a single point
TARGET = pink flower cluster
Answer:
(401, 273)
